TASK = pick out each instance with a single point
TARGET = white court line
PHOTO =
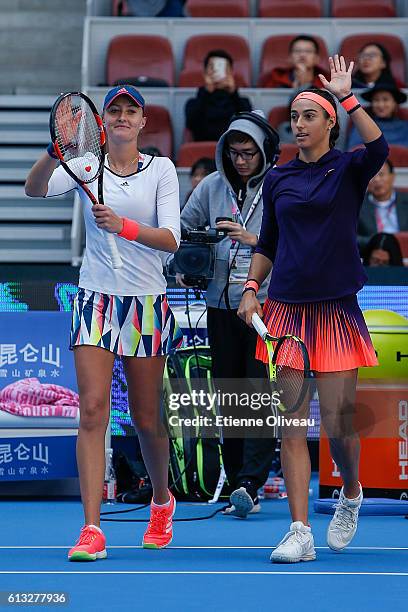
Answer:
(204, 547)
(204, 572)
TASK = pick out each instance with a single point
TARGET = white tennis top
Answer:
(150, 197)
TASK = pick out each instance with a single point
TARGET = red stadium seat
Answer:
(288, 152)
(278, 115)
(189, 152)
(399, 156)
(135, 55)
(158, 131)
(402, 238)
(351, 46)
(363, 8)
(215, 8)
(290, 8)
(197, 48)
(275, 53)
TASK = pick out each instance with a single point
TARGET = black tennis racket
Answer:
(79, 142)
(289, 367)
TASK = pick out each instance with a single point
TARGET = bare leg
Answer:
(337, 392)
(94, 375)
(144, 376)
(295, 461)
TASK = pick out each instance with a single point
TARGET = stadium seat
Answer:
(363, 8)
(290, 8)
(158, 130)
(132, 55)
(402, 238)
(197, 48)
(215, 8)
(189, 152)
(351, 45)
(288, 152)
(399, 156)
(275, 52)
(278, 115)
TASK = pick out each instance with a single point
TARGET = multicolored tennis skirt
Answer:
(142, 326)
(334, 332)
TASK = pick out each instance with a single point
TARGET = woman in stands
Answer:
(383, 250)
(122, 312)
(385, 100)
(311, 206)
(373, 67)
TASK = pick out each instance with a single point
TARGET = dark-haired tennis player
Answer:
(311, 207)
(122, 312)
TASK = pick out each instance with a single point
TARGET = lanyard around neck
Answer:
(236, 213)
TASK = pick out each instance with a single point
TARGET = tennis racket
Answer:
(79, 142)
(289, 366)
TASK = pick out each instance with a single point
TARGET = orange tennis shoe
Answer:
(159, 532)
(90, 545)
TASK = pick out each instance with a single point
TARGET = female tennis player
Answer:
(311, 206)
(122, 312)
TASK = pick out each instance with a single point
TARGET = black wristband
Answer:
(354, 109)
(346, 97)
(248, 289)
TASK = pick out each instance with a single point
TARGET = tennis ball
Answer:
(389, 334)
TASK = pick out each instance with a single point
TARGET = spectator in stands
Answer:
(153, 8)
(199, 170)
(383, 250)
(209, 113)
(303, 70)
(373, 67)
(383, 209)
(244, 154)
(384, 98)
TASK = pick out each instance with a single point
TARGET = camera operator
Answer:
(244, 153)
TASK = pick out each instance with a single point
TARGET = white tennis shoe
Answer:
(297, 545)
(343, 525)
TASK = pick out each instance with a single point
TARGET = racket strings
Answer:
(79, 138)
(290, 372)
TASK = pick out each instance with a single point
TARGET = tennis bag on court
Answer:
(195, 462)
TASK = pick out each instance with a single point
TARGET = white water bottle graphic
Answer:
(109, 485)
(335, 471)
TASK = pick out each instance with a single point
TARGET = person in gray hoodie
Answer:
(244, 153)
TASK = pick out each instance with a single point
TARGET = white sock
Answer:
(166, 505)
(95, 527)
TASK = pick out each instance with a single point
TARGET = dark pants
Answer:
(232, 345)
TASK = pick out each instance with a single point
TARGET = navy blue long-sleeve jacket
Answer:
(309, 224)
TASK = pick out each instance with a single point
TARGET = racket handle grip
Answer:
(113, 251)
(259, 326)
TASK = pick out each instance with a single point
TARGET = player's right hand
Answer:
(248, 305)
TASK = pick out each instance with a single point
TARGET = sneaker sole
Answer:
(155, 546)
(243, 504)
(281, 559)
(81, 555)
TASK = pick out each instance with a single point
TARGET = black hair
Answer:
(218, 53)
(304, 37)
(154, 151)
(385, 242)
(386, 74)
(206, 163)
(236, 136)
(335, 131)
(390, 165)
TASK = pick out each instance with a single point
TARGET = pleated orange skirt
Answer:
(334, 332)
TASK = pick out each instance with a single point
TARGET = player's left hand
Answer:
(106, 219)
(340, 77)
(237, 232)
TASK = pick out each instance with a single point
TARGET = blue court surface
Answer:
(219, 564)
